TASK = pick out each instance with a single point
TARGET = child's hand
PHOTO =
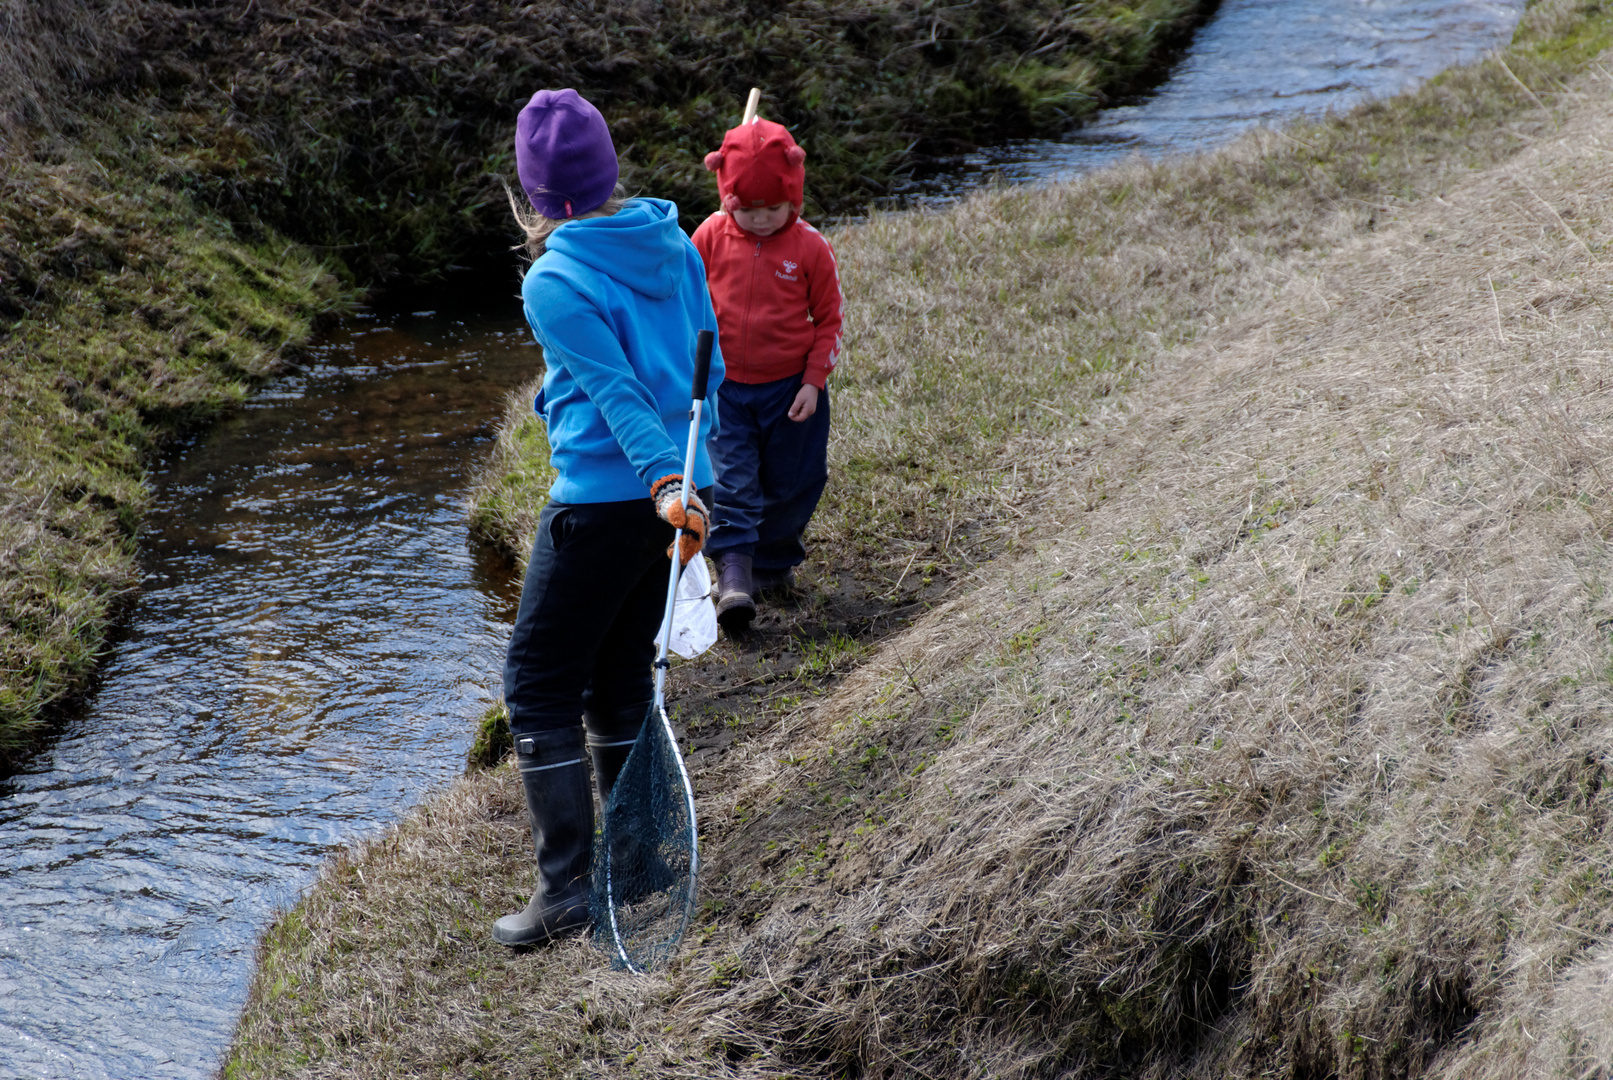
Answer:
(694, 520)
(805, 403)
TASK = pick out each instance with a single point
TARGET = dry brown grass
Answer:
(1287, 760)
(1275, 745)
(49, 48)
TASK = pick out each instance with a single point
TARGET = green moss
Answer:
(493, 741)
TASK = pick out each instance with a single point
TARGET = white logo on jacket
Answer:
(789, 270)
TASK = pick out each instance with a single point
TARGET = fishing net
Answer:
(646, 858)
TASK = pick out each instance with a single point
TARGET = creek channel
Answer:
(316, 637)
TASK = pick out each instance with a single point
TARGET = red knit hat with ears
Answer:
(758, 165)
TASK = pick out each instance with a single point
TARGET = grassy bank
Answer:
(380, 131)
(127, 315)
(142, 317)
(188, 187)
(1271, 742)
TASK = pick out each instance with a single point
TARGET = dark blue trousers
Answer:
(591, 605)
(771, 472)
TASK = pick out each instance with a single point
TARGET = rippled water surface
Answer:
(313, 645)
(316, 638)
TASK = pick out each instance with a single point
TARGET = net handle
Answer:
(702, 375)
(704, 341)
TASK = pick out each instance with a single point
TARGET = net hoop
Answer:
(687, 912)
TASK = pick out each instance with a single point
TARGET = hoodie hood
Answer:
(759, 165)
(640, 246)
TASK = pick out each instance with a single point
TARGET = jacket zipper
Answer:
(750, 297)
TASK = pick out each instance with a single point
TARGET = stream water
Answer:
(316, 637)
(312, 644)
(1258, 62)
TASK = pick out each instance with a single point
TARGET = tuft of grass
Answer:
(493, 741)
(836, 654)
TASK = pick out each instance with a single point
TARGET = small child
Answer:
(777, 296)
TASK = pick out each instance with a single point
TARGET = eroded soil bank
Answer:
(1271, 741)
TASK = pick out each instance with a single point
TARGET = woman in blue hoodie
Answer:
(615, 295)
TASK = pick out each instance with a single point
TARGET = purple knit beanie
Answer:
(564, 155)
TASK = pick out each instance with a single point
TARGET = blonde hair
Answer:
(538, 228)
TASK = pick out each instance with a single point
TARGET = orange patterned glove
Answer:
(693, 519)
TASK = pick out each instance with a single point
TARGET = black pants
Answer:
(592, 602)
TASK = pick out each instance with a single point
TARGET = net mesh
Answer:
(644, 856)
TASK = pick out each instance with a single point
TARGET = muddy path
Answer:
(799, 644)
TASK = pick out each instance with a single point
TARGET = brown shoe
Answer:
(736, 605)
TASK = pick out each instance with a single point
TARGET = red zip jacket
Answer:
(777, 299)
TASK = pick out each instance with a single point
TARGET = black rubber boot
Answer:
(610, 739)
(736, 604)
(554, 773)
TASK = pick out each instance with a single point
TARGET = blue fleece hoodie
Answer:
(615, 302)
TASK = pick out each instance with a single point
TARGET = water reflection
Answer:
(313, 643)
